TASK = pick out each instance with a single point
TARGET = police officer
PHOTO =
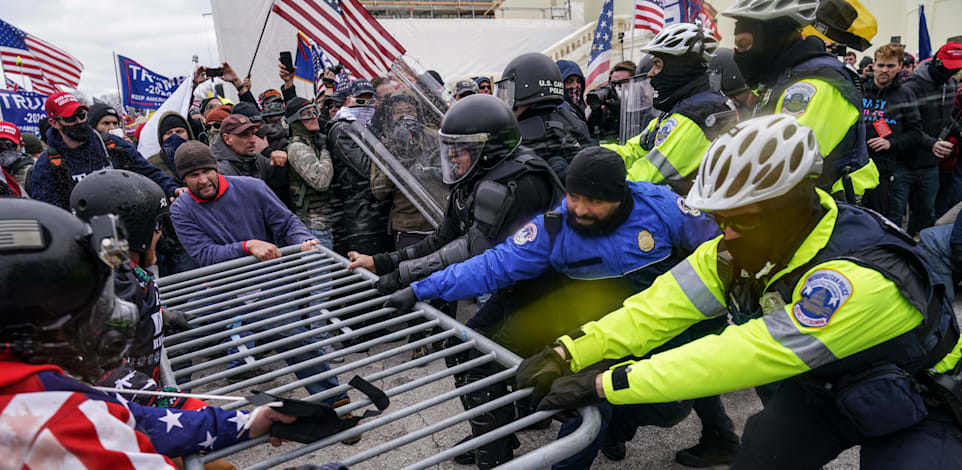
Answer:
(670, 149)
(532, 86)
(830, 299)
(795, 76)
(58, 312)
(608, 240)
(496, 186)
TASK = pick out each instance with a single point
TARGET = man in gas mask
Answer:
(531, 85)
(59, 313)
(75, 149)
(797, 77)
(670, 149)
(362, 224)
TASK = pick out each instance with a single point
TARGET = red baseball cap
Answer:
(9, 131)
(951, 55)
(62, 104)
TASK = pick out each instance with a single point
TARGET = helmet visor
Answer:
(460, 154)
(505, 91)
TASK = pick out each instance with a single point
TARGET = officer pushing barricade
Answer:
(831, 302)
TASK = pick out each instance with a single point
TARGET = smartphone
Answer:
(214, 72)
(287, 61)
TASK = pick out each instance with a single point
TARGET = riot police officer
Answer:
(670, 149)
(496, 186)
(532, 86)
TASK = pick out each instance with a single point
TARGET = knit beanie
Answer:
(193, 155)
(32, 144)
(172, 121)
(98, 111)
(598, 173)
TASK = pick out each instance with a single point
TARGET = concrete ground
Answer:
(651, 448)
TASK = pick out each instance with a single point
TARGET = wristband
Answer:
(244, 246)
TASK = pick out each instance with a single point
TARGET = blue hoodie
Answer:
(569, 68)
(84, 160)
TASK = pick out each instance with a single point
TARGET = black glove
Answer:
(389, 283)
(539, 371)
(175, 321)
(403, 300)
(571, 392)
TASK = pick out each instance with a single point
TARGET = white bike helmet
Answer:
(801, 12)
(683, 38)
(758, 160)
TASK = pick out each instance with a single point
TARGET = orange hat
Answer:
(218, 114)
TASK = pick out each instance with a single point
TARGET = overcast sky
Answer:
(160, 34)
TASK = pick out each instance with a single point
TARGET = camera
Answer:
(838, 50)
(601, 95)
(337, 69)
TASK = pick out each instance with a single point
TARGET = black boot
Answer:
(613, 449)
(713, 448)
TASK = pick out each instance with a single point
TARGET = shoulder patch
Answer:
(823, 293)
(646, 242)
(527, 234)
(664, 130)
(687, 210)
(796, 98)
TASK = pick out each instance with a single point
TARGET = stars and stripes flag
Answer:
(348, 32)
(41, 85)
(600, 58)
(11, 85)
(43, 62)
(650, 15)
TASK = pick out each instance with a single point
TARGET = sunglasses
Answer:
(78, 116)
(484, 87)
(363, 102)
(215, 124)
(740, 223)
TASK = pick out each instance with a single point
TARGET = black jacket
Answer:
(896, 105)
(360, 213)
(555, 134)
(258, 166)
(935, 109)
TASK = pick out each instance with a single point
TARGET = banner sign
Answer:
(142, 88)
(24, 109)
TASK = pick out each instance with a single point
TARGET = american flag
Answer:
(600, 58)
(29, 55)
(650, 15)
(11, 85)
(41, 85)
(348, 32)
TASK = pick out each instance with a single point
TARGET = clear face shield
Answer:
(504, 90)
(460, 154)
(637, 97)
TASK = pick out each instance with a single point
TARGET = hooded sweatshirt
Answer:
(935, 101)
(896, 105)
(576, 104)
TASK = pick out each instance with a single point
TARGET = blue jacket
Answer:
(244, 209)
(85, 160)
(658, 224)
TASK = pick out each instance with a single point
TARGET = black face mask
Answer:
(754, 65)
(78, 131)
(778, 235)
(940, 74)
(671, 79)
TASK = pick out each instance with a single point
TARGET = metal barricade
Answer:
(298, 304)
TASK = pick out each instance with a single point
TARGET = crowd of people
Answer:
(768, 221)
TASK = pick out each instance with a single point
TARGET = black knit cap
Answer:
(172, 121)
(598, 173)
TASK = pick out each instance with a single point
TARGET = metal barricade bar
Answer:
(300, 304)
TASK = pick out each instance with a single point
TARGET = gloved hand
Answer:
(175, 321)
(539, 371)
(571, 392)
(403, 300)
(389, 283)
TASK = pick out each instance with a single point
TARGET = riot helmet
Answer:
(478, 130)
(724, 75)
(135, 199)
(58, 305)
(531, 78)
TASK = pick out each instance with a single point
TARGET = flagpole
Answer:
(631, 27)
(120, 91)
(256, 48)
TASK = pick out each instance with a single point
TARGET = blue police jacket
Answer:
(660, 225)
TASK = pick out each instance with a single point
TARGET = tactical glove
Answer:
(403, 300)
(571, 392)
(175, 321)
(389, 283)
(539, 371)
